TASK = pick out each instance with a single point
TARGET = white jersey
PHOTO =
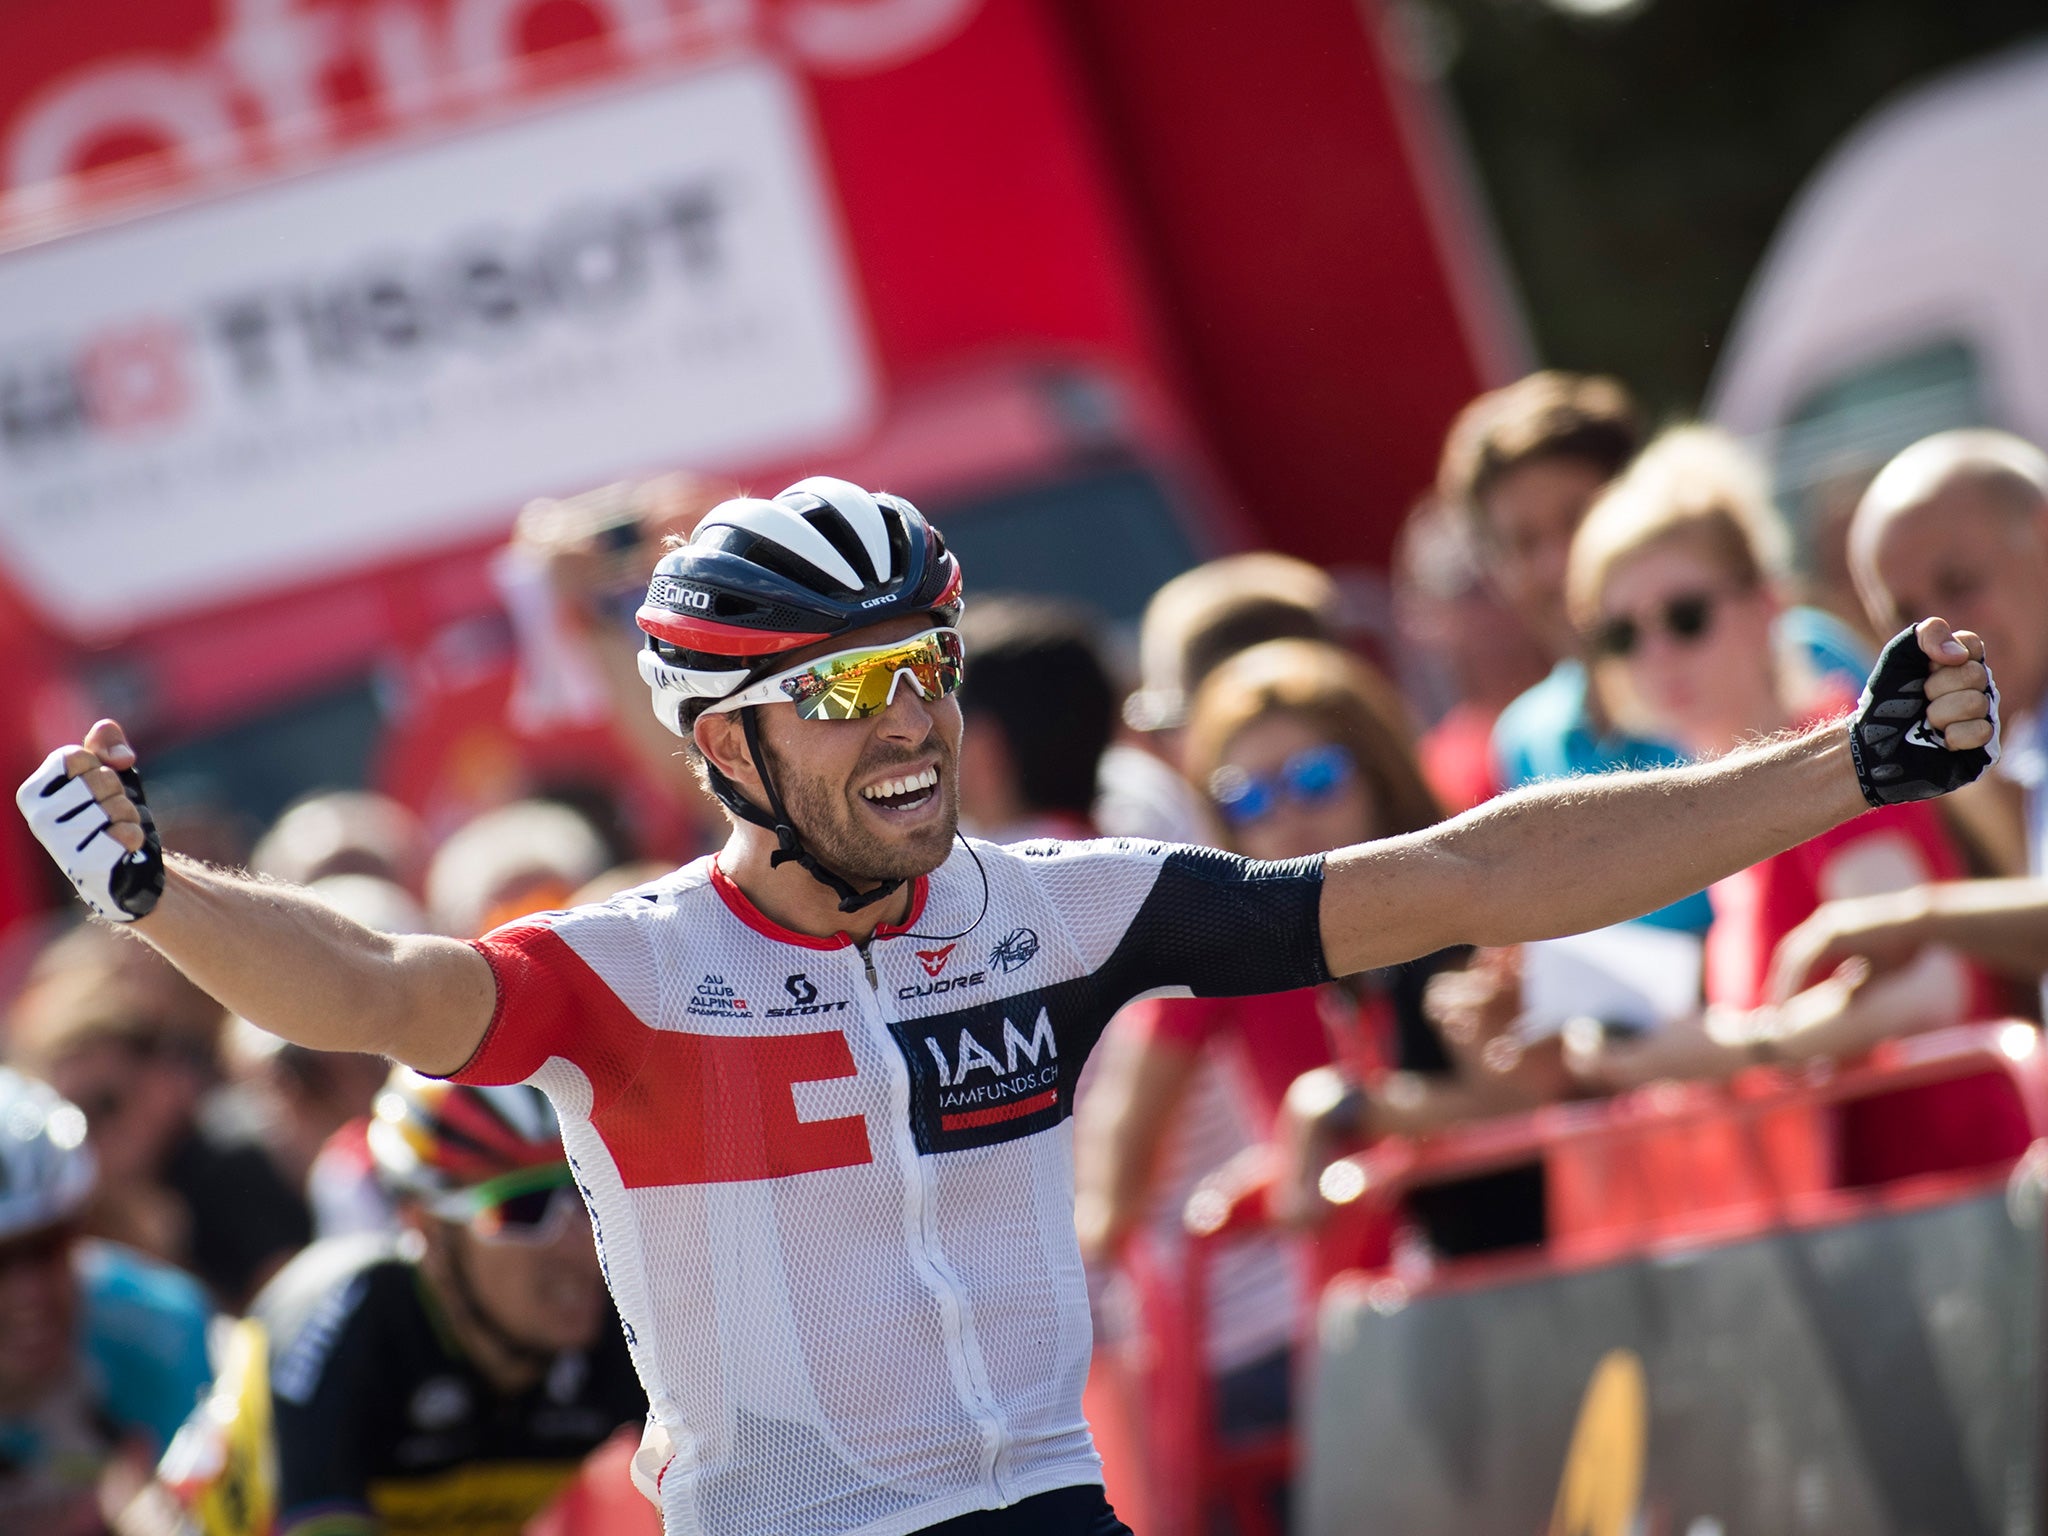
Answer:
(833, 1187)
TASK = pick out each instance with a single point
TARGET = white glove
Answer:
(67, 820)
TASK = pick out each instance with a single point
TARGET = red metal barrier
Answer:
(1674, 1162)
(1701, 1161)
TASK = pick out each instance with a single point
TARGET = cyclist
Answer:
(454, 1376)
(102, 1351)
(816, 1086)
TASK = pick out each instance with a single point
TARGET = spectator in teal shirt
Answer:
(1524, 464)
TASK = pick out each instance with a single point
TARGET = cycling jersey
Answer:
(383, 1424)
(832, 1184)
(141, 1366)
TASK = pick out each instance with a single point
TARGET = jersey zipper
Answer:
(970, 1377)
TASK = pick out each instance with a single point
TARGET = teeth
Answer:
(890, 788)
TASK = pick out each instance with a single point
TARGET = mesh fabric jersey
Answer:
(833, 1186)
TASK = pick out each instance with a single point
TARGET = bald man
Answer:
(1957, 524)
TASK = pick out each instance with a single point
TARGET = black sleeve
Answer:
(1224, 926)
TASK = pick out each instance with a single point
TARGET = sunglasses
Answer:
(1309, 778)
(533, 1206)
(1686, 618)
(852, 685)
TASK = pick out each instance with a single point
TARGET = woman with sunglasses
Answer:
(457, 1376)
(1299, 747)
(1673, 584)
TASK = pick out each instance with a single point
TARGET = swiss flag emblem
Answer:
(934, 960)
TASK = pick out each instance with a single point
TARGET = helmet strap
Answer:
(777, 820)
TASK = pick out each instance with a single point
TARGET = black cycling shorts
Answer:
(1082, 1511)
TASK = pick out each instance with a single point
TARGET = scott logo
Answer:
(804, 993)
(934, 960)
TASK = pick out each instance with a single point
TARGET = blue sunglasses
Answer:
(1308, 778)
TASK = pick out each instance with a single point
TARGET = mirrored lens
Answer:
(1318, 773)
(1240, 798)
(856, 684)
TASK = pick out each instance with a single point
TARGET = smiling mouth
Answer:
(909, 793)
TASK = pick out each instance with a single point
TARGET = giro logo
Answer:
(934, 960)
(800, 989)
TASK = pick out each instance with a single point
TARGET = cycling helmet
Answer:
(429, 1137)
(761, 578)
(46, 1169)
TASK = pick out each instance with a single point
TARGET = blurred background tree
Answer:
(1636, 155)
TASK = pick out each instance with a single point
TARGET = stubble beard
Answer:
(834, 830)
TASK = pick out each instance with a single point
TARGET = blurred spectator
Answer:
(573, 577)
(1673, 581)
(1193, 623)
(102, 1352)
(454, 1378)
(311, 1108)
(1208, 614)
(530, 856)
(1039, 708)
(620, 877)
(1957, 525)
(343, 832)
(1301, 748)
(123, 1035)
(1465, 657)
(1522, 464)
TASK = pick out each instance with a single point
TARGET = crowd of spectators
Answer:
(1572, 598)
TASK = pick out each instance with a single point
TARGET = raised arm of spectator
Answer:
(1121, 1126)
(273, 954)
(1578, 854)
(2002, 924)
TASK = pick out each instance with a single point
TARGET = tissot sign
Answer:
(386, 354)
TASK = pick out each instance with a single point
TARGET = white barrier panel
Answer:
(387, 356)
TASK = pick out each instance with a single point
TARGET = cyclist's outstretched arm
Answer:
(1583, 853)
(279, 957)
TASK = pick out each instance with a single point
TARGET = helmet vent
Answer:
(770, 555)
(839, 533)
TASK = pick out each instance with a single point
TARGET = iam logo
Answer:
(934, 960)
